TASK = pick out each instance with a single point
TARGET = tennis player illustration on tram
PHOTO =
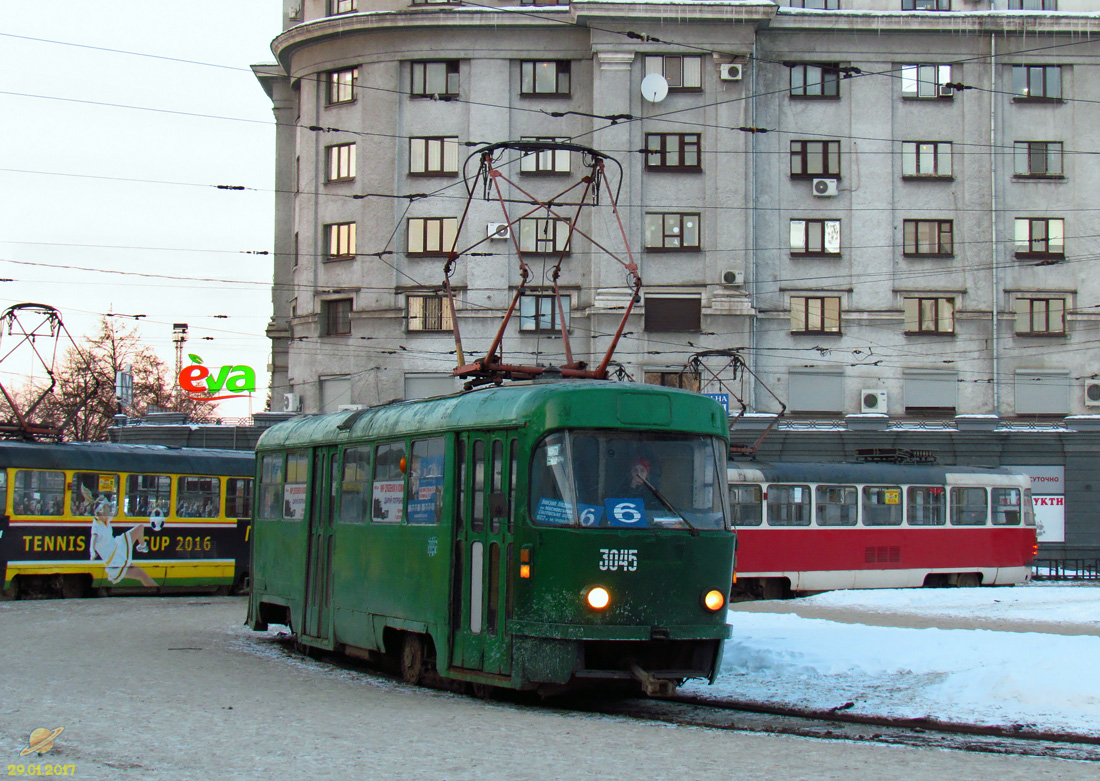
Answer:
(117, 552)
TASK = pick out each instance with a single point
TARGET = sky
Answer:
(118, 120)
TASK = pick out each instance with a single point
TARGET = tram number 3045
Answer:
(613, 559)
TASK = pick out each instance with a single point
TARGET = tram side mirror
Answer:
(498, 505)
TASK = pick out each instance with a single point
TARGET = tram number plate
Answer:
(614, 559)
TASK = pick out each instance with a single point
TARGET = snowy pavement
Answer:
(1016, 671)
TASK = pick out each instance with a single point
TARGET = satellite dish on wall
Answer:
(654, 88)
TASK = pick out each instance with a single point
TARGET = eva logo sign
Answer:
(198, 381)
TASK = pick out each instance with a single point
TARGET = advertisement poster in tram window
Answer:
(294, 501)
(388, 498)
(1048, 489)
(426, 490)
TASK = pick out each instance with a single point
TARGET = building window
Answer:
(545, 77)
(340, 163)
(815, 81)
(1039, 159)
(815, 237)
(933, 238)
(340, 241)
(1037, 82)
(434, 78)
(1042, 392)
(538, 313)
(336, 317)
(543, 235)
(429, 313)
(815, 314)
(547, 161)
(682, 72)
(433, 155)
(815, 389)
(926, 159)
(926, 81)
(819, 5)
(336, 7)
(929, 315)
(341, 85)
(815, 158)
(432, 235)
(672, 152)
(672, 379)
(671, 231)
(673, 314)
(1040, 237)
(1032, 5)
(926, 5)
(1041, 316)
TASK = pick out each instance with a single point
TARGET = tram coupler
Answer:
(652, 686)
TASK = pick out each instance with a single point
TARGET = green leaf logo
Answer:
(194, 358)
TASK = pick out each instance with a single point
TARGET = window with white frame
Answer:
(439, 77)
(1041, 392)
(1037, 82)
(545, 77)
(340, 241)
(933, 238)
(926, 5)
(929, 315)
(340, 162)
(672, 152)
(543, 235)
(1040, 237)
(336, 7)
(547, 161)
(815, 237)
(1041, 316)
(929, 391)
(538, 313)
(926, 81)
(341, 85)
(433, 155)
(926, 159)
(819, 5)
(815, 158)
(681, 71)
(815, 314)
(428, 312)
(815, 80)
(815, 389)
(431, 235)
(1032, 5)
(664, 231)
(1039, 159)
(336, 317)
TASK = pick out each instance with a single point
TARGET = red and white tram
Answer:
(806, 527)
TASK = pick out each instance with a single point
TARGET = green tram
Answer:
(531, 536)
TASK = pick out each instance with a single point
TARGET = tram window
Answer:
(294, 490)
(788, 505)
(926, 505)
(477, 517)
(426, 481)
(3, 490)
(512, 465)
(198, 497)
(968, 507)
(38, 493)
(355, 486)
(238, 497)
(746, 505)
(271, 487)
(496, 486)
(882, 505)
(388, 487)
(1006, 506)
(837, 505)
(87, 487)
(460, 502)
(148, 496)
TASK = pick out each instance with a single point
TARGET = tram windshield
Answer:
(628, 479)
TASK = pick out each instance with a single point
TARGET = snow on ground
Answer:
(974, 676)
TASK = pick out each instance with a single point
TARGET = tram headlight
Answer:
(598, 597)
(714, 600)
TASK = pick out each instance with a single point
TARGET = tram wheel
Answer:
(969, 580)
(412, 659)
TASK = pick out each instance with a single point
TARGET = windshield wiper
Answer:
(668, 506)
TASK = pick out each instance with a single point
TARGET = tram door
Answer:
(322, 510)
(481, 591)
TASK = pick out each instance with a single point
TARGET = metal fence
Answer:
(1066, 569)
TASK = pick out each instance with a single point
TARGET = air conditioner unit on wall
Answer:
(350, 407)
(825, 187)
(733, 278)
(1092, 393)
(292, 402)
(730, 71)
(499, 230)
(872, 400)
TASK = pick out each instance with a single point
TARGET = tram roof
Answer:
(546, 405)
(865, 473)
(109, 456)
